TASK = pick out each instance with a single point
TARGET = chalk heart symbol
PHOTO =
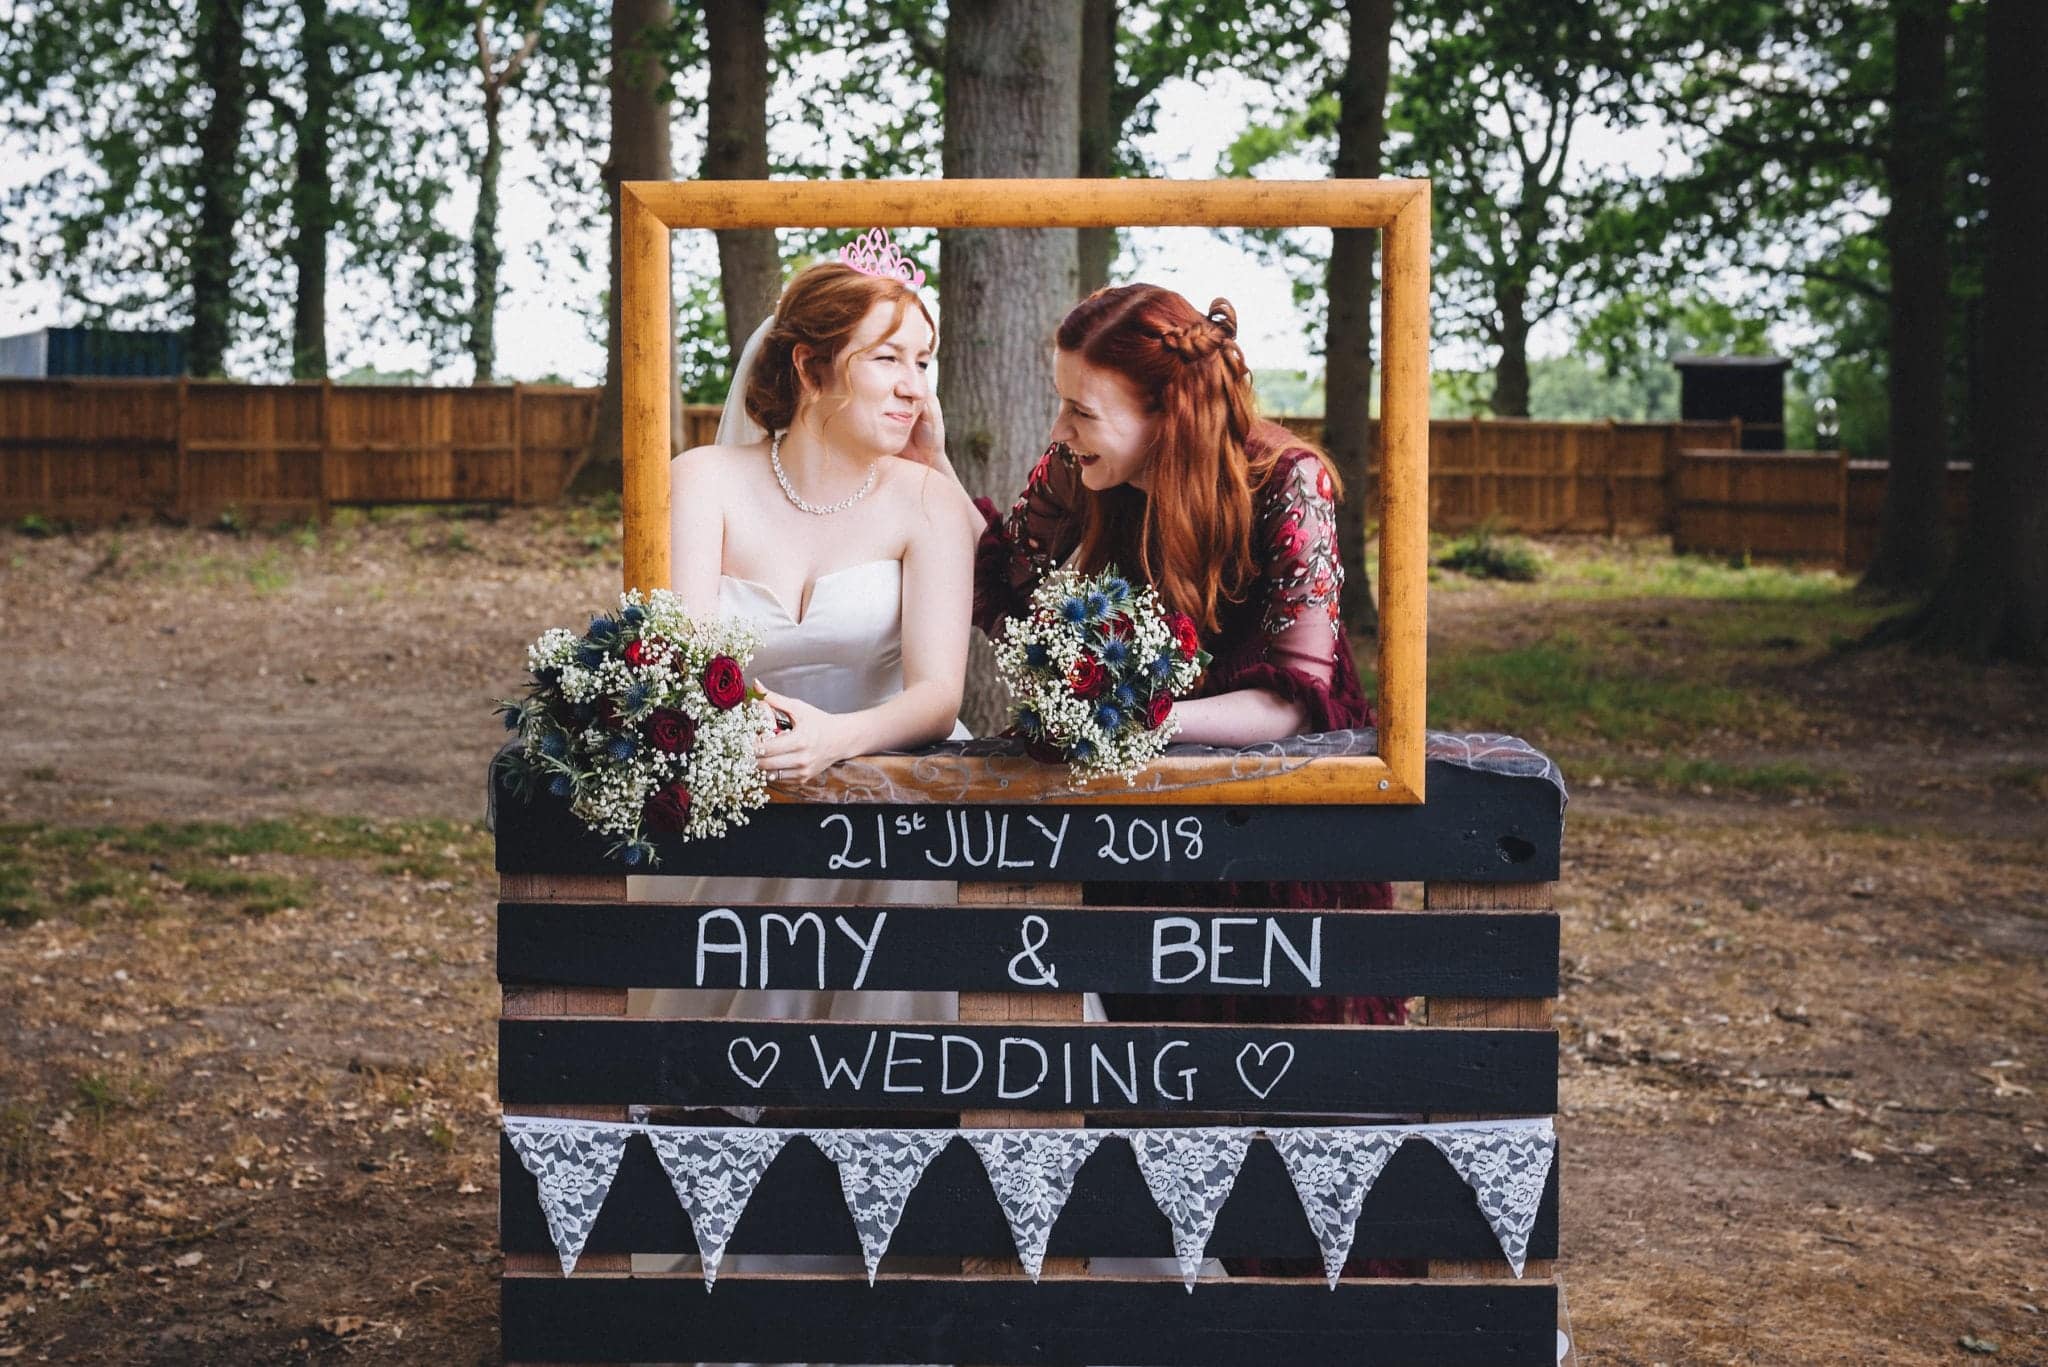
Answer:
(1269, 1061)
(760, 1063)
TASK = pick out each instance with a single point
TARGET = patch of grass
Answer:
(20, 903)
(1483, 554)
(1566, 691)
(233, 521)
(1621, 574)
(256, 894)
(102, 1094)
(456, 541)
(37, 527)
(1775, 779)
(22, 1143)
(268, 573)
(2031, 779)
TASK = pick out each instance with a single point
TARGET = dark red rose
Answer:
(641, 652)
(670, 731)
(668, 809)
(724, 685)
(1156, 711)
(1185, 637)
(1120, 626)
(1045, 752)
(608, 714)
(1087, 678)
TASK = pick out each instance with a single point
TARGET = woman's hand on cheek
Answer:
(815, 742)
(927, 444)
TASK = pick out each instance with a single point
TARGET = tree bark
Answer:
(483, 232)
(639, 151)
(1012, 72)
(312, 194)
(1511, 373)
(1096, 247)
(223, 45)
(1993, 604)
(1348, 346)
(736, 148)
(1912, 536)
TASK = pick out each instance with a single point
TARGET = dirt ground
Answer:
(247, 1006)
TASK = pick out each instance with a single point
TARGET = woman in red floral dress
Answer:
(1161, 466)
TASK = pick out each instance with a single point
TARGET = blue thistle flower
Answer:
(1098, 605)
(1035, 655)
(1113, 651)
(1108, 717)
(1116, 589)
(589, 656)
(1075, 611)
(637, 694)
(511, 715)
(1126, 696)
(553, 745)
(634, 614)
(621, 747)
(1082, 751)
(1161, 667)
(560, 786)
(631, 854)
(1027, 721)
(603, 630)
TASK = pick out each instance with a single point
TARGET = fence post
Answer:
(180, 506)
(518, 444)
(326, 442)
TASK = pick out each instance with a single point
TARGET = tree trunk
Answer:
(483, 236)
(639, 151)
(1012, 72)
(1347, 349)
(312, 194)
(1994, 601)
(1511, 373)
(1097, 246)
(223, 44)
(736, 148)
(1912, 536)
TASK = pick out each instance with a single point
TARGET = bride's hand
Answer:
(927, 445)
(814, 742)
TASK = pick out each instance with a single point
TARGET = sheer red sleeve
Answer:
(1022, 546)
(1294, 648)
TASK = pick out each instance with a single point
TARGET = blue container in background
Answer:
(57, 352)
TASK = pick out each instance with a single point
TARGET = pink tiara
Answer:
(872, 253)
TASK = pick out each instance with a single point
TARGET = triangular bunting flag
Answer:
(574, 1165)
(1506, 1167)
(1333, 1170)
(878, 1169)
(714, 1172)
(1032, 1172)
(1190, 1174)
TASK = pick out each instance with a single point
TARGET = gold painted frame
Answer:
(650, 210)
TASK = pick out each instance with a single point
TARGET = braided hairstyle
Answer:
(1191, 528)
(821, 308)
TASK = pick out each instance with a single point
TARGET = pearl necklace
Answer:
(789, 491)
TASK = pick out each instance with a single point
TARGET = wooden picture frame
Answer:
(650, 210)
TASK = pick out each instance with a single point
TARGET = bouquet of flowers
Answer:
(644, 722)
(1093, 671)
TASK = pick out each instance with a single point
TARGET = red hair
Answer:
(1191, 528)
(821, 309)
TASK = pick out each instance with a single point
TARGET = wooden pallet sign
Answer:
(1019, 1059)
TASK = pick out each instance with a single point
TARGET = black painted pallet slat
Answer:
(1233, 1323)
(1419, 1208)
(1476, 827)
(1016, 948)
(1303, 1069)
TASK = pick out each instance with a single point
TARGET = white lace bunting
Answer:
(1189, 1171)
(1333, 1169)
(878, 1169)
(1506, 1167)
(714, 1173)
(574, 1166)
(1190, 1174)
(1032, 1172)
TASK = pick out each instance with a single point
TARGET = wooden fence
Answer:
(1819, 507)
(94, 450)
(1021, 1060)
